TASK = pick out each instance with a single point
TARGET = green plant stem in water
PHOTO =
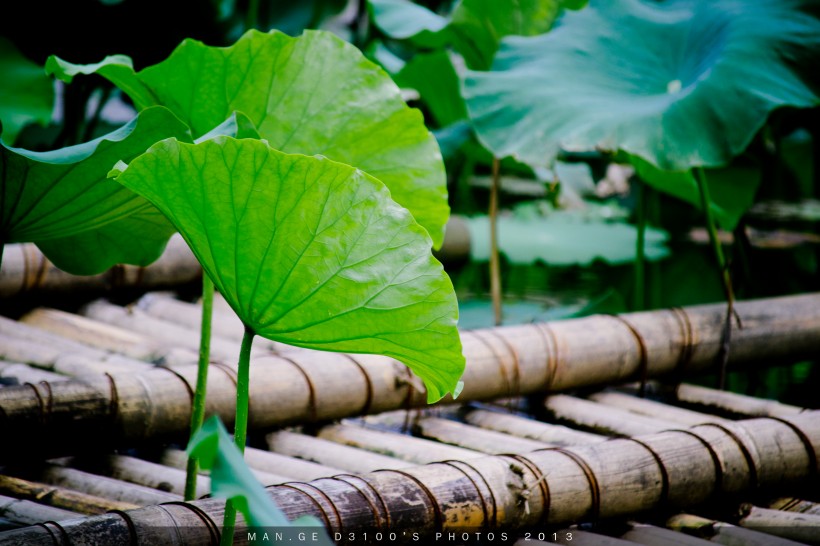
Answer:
(638, 299)
(240, 426)
(251, 17)
(495, 268)
(706, 201)
(198, 410)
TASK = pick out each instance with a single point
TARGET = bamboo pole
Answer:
(654, 536)
(657, 410)
(102, 486)
(25, 512)
(93, 333)
(304, 386)
(475, 438)
(141, 472)
(23, 373)
(725, 533)
(617, 478)
(792, 504)
(321, 451)
(25, 269)
(733, 403)
(401, 446)
(602, 419)
(800, 527)
(524, 427)
(59, 497)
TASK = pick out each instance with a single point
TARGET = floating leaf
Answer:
(314, 95)
(57, 198)
(680, 83)
(26, 93)
(232, 479)
(562, 238)
(308, 252)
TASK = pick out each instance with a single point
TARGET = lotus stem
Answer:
(495, 269)
(198, 410)
(705, 200)
(638, 299)
(240, 425)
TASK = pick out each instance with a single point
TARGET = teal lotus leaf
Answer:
(680, 83)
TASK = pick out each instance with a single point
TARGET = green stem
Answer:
(638, 300)
(251, 17)
(240, 426)
(495, 268)
(717, 248)
(198, 411)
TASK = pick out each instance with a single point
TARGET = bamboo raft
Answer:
(549, 439)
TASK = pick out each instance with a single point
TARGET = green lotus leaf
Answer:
(308, 252)
(435, 78)
(231, 478)
(314, 94)
(26, 94)
(680, 83)
(56, 198)
(402, 19)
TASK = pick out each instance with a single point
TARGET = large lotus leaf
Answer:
(680, 83)
(475, 28)
(436, 80)
(308, 252)
(314, 95)
(138, 238)
(231, 478)
(732, 189)
(58, 198)
(26, 94)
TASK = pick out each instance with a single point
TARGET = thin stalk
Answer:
(198, 411)
(653, 217)
(240, 425)
(495, 269)
(705, 201)
(92, 123)
(251, 17)
(638, 299)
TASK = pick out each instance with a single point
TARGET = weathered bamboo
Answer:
(25, 270)
(93, 333)
(400, 446)
(529, 428)
(548, 487)
(733, 403)
(800, 527)
(301, 385)
(655, 536)
(475, 438)
(602, 419)
(792, 504)
(724, 533)
(25, 512)
(321, 451)
(102, 486)
(656, 410)
(265, 461)
(23, 373)
(59, 497)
